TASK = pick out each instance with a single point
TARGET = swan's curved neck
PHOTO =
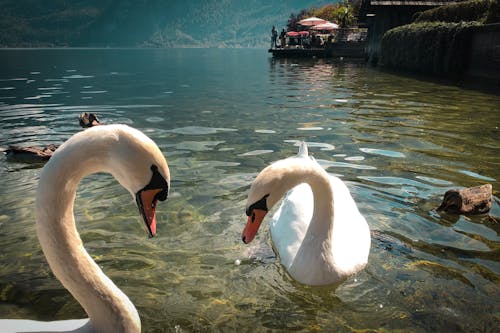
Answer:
(322, 219)
(317, 178)
(108, 308)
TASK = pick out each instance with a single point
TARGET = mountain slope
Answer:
(152, 23)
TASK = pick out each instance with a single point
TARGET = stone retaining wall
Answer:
(484, 59)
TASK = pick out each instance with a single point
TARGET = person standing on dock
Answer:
(283, 38)
(274, 37)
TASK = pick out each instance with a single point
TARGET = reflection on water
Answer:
(220, 116)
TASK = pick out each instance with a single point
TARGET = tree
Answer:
(292, 21)
(327, 12)
(345, 17)
(343, 13)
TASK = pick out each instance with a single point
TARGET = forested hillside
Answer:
(151, 23)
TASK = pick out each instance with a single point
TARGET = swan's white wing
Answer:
(351, 234)
(290, 222)
(350, 237)
(27, 326)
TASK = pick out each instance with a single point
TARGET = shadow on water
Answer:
(482, 85)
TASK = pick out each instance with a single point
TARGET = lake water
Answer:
(220, 116)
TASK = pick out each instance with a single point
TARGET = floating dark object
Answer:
(33, 154)
(88, 119)
(30, 154)
(472, 200)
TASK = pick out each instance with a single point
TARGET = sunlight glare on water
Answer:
(220, 116)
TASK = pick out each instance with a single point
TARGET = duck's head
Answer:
(452, 202)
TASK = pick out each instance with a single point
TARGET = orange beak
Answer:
(253, 224)
(146, 201)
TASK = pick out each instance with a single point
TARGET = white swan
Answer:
(318, 231)
(138, 164)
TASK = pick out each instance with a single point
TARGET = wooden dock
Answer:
(336, 50)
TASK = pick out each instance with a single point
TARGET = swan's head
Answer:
(270, 186)
(266, 190)
(139, 166)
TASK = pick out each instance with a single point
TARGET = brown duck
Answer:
(32, 154)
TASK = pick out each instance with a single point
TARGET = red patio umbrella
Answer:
(297, 33)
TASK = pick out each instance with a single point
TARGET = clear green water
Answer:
(220, 116)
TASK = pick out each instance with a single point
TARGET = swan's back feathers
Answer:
(350, 237)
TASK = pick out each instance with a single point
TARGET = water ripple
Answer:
(199, 130)
(382, 152)
(329, 164)
(256, 152)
